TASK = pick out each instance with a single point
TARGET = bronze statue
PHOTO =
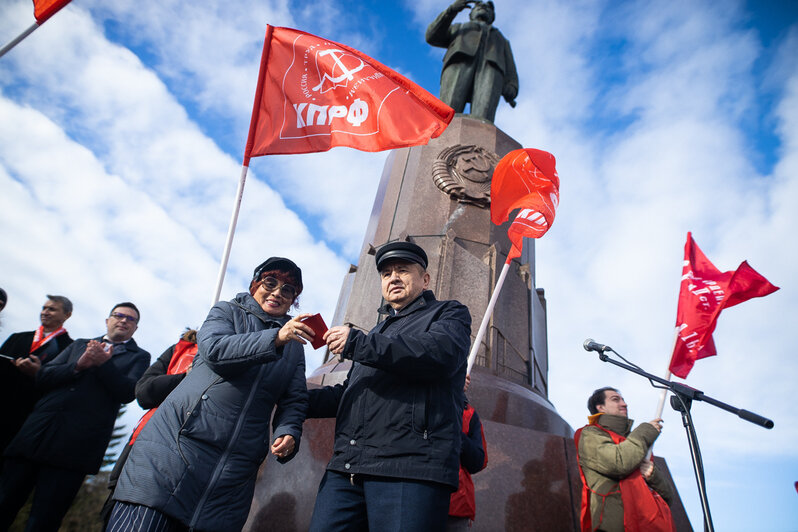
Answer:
(478, 66)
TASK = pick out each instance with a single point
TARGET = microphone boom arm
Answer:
(691, 393)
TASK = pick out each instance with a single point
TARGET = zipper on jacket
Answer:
(223, 458)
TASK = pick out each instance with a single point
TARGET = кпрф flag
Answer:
(314, 94)
(704, 293)
(525, 179)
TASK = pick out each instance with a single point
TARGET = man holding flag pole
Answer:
(704, 293)
(621, 487)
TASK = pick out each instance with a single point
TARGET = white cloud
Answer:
(207, 52)
(90, 235)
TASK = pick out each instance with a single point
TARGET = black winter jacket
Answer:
(399, 412)
(18, 392)
(72, 423)
(197, 458)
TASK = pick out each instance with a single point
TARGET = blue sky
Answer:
(122, 127)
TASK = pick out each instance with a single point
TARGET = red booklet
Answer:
(316, 322)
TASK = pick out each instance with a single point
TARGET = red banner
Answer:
(705, 292)
(44, 9)
(314, 94)
(525, 179)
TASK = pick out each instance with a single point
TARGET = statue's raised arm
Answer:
(478, 66)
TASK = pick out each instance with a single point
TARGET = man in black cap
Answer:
(399, 412)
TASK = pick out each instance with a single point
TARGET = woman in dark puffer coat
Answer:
(195, 463)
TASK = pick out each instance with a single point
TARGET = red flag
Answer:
(525, 179)
(44, 9)
(314, 94)
(704, 293)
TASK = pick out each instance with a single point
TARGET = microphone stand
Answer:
(681, 401)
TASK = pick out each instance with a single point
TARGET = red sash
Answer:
(182, 357)
(39, 339)
(644, 510)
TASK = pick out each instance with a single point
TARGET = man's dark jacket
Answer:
(71, 424)
(18, 392)
(399, 412)
(197, 458)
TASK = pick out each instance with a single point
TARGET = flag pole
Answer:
(18, 39)
(664, 393)
(42, 14)
(662, 396)
(472, 356)
(660, 407)
(230, 233)
(245, 164)
(667, 377)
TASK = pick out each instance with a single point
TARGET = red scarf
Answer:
(644, 510)
(39, 339)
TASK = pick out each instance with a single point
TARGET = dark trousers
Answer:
(379, 504)
(53, 489)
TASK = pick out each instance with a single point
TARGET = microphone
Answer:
(590, 345)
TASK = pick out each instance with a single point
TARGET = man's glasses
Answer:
(123, 317)
(287, 291)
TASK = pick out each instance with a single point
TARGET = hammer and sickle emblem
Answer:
(346, 73)
(474, 167)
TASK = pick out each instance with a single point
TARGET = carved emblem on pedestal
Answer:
(464, 171)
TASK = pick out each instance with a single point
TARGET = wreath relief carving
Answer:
(464, 171)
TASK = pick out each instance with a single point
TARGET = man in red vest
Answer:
(621, 489)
